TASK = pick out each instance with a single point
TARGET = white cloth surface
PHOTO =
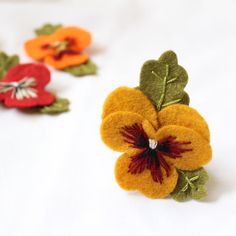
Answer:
(56, 175)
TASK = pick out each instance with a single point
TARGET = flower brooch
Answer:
(62, 48)
(23, 86)
(165, 143)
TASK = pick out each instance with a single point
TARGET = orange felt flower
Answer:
(154, 144)
(61, 49)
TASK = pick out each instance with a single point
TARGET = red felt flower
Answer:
(24, 86)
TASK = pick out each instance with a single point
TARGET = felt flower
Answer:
(62, 49)
(24, 86)
(155, 144)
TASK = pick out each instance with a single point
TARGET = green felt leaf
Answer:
(185, 100)
(199, 193)
(88, 68)
(163, 81)
(59, 106)
(7, 62)
(191, 184)
(47, 29)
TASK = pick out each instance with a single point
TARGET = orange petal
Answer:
(201, 152)
(186, 116)
(82, 37)
(143, 182)
(66, 60)
(112, 126)
(131, 100)
(34, 47)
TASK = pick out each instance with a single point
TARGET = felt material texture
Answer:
(7, 62)
(143, 182)
(66, 60)
(186, 116)
(201, 151)
(60, 105)
(47, 29)
(131, 100)
(185, 131)
(186, 99)
(24, 86)
(88, 68)
(163, 80)
(191, 184)
(61, 49)
(111, 129)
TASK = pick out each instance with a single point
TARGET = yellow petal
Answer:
(200, 154)
(131, 100)
(186, 116)
(143, 182)
(112, 126)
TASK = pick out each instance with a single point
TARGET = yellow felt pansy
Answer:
(158, 137)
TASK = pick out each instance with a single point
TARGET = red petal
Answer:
(37, 71)
(44, 98)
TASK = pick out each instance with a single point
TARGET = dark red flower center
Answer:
(61, 48)
(153, 152)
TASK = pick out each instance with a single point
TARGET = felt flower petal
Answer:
(35, 47)
(112, 126)
(201, 150)
(186, 116)
(38, 71)
(143, 182)
(81, 38)
(66, 60)
(44, 98)
(131, 100)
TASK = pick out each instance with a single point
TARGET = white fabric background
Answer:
(56, 176)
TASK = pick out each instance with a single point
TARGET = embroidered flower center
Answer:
(153, 152)
(20, 89)
(61, 47)
(152, 143)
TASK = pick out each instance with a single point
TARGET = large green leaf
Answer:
(47, 29)
(191, 184)
(163, 81)
(88, 68)
(6, 63)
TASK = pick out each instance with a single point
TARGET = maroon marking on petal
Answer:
(59, 55)
(149, 158)
(172, 148)
(45, 46)
(71, 41)
(135, 136)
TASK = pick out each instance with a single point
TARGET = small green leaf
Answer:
(88, 68)
(47, 29)
(163, 81)
(199, 193)
(191, 184)
(60, 105)
(7, 62)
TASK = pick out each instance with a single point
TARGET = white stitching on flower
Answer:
(152, 143)
(20, 89)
